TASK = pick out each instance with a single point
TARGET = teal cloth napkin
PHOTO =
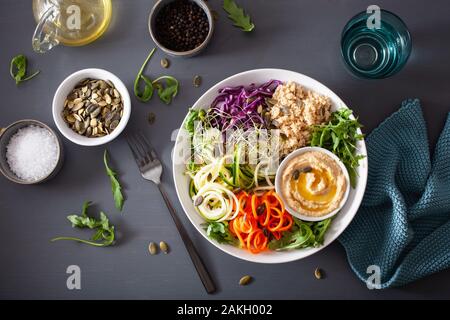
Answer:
(403, 224)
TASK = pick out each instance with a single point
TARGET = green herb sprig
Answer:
(302, 235)
(104, 232)
(146, 94)
(168, 90)
(167, 86)
(18, 69)
(219, 232)
(238, 16)
(340, 136)
(115, 184)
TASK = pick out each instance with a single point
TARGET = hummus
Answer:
(313, 184)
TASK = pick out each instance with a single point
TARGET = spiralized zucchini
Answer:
(218, 203)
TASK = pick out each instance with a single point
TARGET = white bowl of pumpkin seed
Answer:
(91, 107)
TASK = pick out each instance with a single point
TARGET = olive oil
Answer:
(74, 22)
(321, 191)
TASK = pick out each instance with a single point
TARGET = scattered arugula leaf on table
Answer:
(115, 185)
(169, 90)
(340, 136)
(238, 16)
(167, 86)
(104, 232)
(147, 93)
(18, 69)
(219, 232)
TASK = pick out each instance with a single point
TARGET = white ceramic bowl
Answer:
(64, 90)
(296, 153)
(340, 222)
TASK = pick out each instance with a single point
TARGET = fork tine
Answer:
(135, 151)
(149, 146)
(142, 150)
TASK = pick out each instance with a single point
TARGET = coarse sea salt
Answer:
(32, 153)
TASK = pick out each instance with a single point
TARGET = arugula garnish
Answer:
(302, 235)
(237, 15)
(115, 185)
(104, 232)
(219, 232)
(147, 93)
(340, 136)
(18, 69)
(169, 90)
(167, 86)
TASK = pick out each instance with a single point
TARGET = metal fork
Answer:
(151, 169)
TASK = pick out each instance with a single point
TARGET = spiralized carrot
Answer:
(259, 217)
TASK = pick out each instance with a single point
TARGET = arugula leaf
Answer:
(168, 91)
(302, 235)
(104, 235)
(147, 93)
(18, 69)
(237, 15)
(219, 232)
(115, 185)
(340, 136)
(167, 86)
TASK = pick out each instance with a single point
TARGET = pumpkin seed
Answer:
(70, 118)
(151, 118)
(245, 280)
(215, 15)
(78, 106)
(260, 209)
(164, 247)
(93, 122)
(77, 117)
(114, 125)
(318, 273)
(152, 248)
(306, 169)
(296, 175)
(260, 109)
(197, 81)
(164, 63)
(198, 201)
(96, 112)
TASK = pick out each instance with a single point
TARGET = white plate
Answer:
(340, 222)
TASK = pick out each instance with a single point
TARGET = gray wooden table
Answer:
(301, 35)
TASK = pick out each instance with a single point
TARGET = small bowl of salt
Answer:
(30, 152)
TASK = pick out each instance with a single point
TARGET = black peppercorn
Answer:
(181, 25)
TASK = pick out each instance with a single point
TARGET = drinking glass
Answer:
(375, 52)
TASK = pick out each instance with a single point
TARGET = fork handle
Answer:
(195, 257)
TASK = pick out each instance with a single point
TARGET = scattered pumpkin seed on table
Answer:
(197, 81)
(165, 63)
(215, 15)
(245, 280)
(152, 248)
(318, 273)
(164, 247)
(151, 118)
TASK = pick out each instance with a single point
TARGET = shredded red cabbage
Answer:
(236, 107)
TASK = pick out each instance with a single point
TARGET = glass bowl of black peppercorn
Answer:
(181, 28)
